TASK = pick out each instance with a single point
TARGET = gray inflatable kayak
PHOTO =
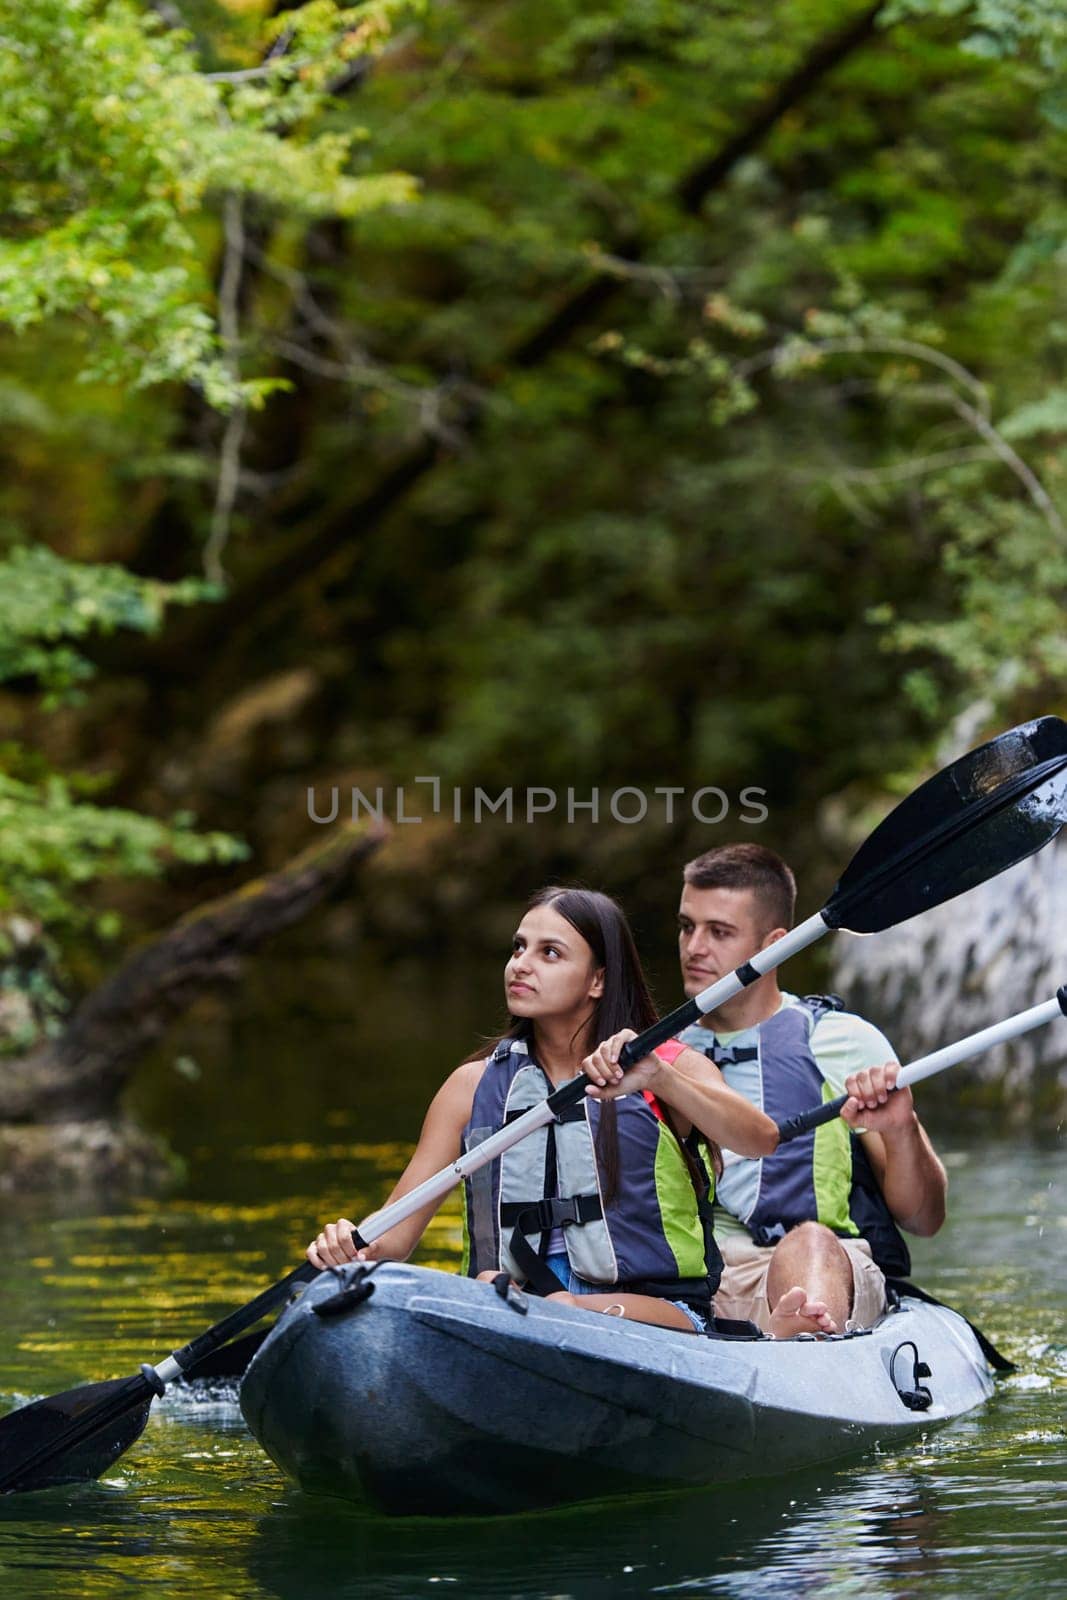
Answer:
(430, 1394)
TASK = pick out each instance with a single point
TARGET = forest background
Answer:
(643, 394)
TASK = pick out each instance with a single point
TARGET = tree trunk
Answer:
(79, 1077)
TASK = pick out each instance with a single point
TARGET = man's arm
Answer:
(911, 1177)
(694, 1086)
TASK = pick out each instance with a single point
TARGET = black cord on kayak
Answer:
(918, 1397)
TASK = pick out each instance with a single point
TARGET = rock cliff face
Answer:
(967, 964)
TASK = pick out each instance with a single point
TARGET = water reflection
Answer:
(805, 1537)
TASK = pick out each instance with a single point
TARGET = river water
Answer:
(287, 1119)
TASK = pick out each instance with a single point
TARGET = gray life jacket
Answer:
(824, 1176)
(653, 1237)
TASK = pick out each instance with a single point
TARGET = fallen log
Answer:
(79, 1076)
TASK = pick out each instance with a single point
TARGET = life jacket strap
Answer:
(541, 1216)
(575, 1113)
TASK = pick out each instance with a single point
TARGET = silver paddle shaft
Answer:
(430, 1192)
(936, 1061)
(435, 1188)
(976, 1043)
(442, 1182)
(764, 961)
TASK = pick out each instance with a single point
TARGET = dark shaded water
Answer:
(293, 1119)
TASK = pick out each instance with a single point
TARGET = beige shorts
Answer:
(742, 1293)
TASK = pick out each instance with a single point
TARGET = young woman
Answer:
(606, 1207)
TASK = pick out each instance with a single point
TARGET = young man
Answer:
(808, 1233)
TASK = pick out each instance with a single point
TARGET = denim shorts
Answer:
(570, 1281)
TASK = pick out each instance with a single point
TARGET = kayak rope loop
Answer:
(918, 1397)
(354, 1291)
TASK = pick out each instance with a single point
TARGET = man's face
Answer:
(718, 930)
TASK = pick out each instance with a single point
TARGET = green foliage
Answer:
(999, 28)
(55, 841)
(761, 511)
(114, 140)
(894, 243)
(1045, 416)
(52, 844)
(48, 602)
(117, 143)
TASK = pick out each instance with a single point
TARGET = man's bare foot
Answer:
(795, 1313)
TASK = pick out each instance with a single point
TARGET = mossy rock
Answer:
(85, 1156)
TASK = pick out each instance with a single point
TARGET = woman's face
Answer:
(552, 971)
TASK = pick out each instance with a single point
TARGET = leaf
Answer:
(1047, 415)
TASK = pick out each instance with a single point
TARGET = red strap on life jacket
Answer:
(669, 1051)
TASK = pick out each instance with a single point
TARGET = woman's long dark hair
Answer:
(625, 1001)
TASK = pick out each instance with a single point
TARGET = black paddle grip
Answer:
(804, 1121)
(666, 1028)
(246, 1317)
(568, 1094)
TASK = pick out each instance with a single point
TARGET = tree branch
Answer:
(81, 1075)
(975, 411)
(826, 54)
(229, 477)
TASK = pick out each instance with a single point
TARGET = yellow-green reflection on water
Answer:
(194, 1509)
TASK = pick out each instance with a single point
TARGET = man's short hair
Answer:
(748, 866)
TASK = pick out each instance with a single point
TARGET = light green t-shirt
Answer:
(841, 1043)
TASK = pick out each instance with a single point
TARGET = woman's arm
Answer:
(440, 1143)
(693, 1087)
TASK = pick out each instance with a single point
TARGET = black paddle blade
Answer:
(74, 1436)
(990, 809)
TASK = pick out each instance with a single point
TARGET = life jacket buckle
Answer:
(768, 1235)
